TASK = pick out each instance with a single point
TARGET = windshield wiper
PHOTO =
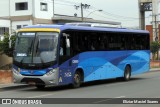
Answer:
(30, 48)
(37, 47)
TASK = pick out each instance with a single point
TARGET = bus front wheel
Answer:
(127, 73)
(77, 80)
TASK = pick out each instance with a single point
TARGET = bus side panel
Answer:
(67, 70)
(111, 64)
(139, 60)
(101, 65)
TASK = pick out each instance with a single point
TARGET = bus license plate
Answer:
(31, 83)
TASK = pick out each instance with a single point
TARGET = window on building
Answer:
(43, 6)
(22, 6)
(25, 25)
(4, 30)
(19, 26)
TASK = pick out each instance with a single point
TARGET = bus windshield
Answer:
(36, 48)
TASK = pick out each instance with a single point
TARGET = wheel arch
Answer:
(129, 67)
(81, 71)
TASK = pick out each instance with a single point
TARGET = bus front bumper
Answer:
(46, 79)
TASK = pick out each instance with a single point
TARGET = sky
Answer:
(124, 11)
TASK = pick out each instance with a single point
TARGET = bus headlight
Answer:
(52, 72)
(15, 71)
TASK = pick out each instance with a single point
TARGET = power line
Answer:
(64, 4)
(114, 16)
(67, 1)
(104, 12)
(119, 16)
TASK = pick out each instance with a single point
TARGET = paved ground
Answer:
(142, 86)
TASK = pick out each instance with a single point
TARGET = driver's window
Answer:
(64, 47)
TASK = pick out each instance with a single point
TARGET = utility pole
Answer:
(144, 5)
(83, 6)
(155, 20)
(53, 8)
(82, 11)
(155, 27)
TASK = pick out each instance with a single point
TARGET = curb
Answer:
(155, 69)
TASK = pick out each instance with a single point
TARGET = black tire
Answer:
(40, 86)
(127, 73)
(77, 80)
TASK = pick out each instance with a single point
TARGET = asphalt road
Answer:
(141, 86)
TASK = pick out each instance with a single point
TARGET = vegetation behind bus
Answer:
(4, 45)
(154, 47)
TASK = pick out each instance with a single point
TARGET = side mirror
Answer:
(67, 40)
(67, 43)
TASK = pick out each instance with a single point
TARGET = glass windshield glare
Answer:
(35, 48)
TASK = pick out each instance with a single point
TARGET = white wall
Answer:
(20, 12)
(4, 10)
(15, 23)
(43, 14)
(33, 8)
(4, 23)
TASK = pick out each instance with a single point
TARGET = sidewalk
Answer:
(10, 86)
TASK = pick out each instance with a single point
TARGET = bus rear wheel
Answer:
(127, 73)
(77, 80)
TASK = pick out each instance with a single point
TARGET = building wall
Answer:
(150, 29)
(4, 11)
(22, 23)
(15, 12)
(38, 13)
(4, 23)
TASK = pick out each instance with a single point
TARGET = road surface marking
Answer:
(121, 97)
(41, 95)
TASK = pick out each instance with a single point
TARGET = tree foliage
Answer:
(4, 45)
(154, 47)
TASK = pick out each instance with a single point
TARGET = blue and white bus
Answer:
(64, 54)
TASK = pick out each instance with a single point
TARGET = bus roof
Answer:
(70, 27)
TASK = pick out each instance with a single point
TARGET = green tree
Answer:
(154, 47)
(4, 45)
